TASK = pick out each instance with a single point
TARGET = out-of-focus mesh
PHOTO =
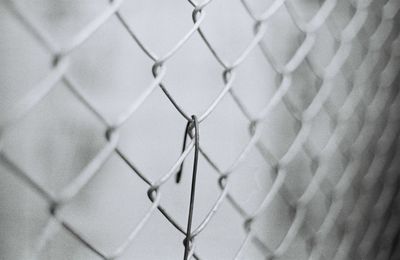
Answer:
(298, 111)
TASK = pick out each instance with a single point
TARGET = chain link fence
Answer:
(291, 143)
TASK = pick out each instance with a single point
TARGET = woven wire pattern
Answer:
(351, 176)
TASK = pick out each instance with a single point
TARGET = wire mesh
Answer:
(334, 179)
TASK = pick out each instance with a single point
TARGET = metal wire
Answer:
(372, 95)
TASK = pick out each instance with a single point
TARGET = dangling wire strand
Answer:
(193, 188)
(187, 129)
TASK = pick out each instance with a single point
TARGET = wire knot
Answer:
(152, 192)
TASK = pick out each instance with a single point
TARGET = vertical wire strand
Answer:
(193, 188)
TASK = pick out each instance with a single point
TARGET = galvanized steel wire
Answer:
(372, 94)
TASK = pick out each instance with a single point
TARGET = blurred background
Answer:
(59, 136)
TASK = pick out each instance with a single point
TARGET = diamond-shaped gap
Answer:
(386, 69)
(23, 216)
(51, 144)
(336, 168)
(225, 133)
(63, 19)
(321, 132)
(110, 66)
(358, 59)
(253, 251)
(305, 86)
(159, 239)
(228, 28)
(349, 203)
(299, 174)
(297, 249)
(176, 196)
(258, 7)
(281, 129)
(324, 48)
(306, 10)
(282, 38)
(251, 181)
(153, 136)
(65, 246)
(331, 243)
(353, 127)
(338, 95)
(369, 154)
(365, 34)
(115, 200)
(317, 209)
(357, 55)
(193, 77)
(27, 61)
(272, 224)
(394, 33)
(354, 190)
(277, 221)
(380, 75)
(317, 141)
(223, 236)
(372, 22)
(255, 81)
(160, 25)
(340, 17)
